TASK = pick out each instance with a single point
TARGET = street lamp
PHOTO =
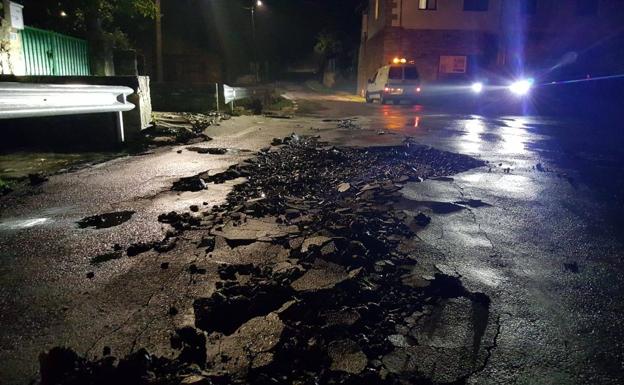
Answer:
(252, 9)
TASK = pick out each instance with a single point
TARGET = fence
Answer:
(50, 53)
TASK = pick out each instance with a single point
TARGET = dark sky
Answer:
(286, 29)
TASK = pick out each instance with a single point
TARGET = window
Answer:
(529, 7)
(586, 7)
(428, 4)
(476, 5)
(376, 9)
(396, 73)
(411, 73)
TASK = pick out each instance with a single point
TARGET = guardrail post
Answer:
(119, 124)
(217, 95)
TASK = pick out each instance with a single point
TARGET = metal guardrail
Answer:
(231, 94)
(21, 100)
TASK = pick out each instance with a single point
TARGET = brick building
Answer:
(453, 38)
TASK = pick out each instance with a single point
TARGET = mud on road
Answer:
(327, 286)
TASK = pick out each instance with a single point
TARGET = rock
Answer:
(422, 220)
(230, 307)
(400, 341)
(139, 248)
(276, 142)
(195, 379)
(192, 343)
(255, 230)
(99, 259)
(166, 244)
(37, 179)
(193, 269)
(57, 365)
(252, 344)
(323, 275)
(346, 356)
(194, 208)
(344, 187)
(104, 221)
(194, 183)
(228, 272)
(344, 317)
(314, 241)
(90, 275)
(208, 150)
(208, 242)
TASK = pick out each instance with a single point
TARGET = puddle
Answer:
(104, 221)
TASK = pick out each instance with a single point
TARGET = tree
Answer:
(104, 23)
(327, 47)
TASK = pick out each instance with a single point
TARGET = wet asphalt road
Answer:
(542, 238)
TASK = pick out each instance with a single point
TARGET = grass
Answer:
(280, 103)
(17, 165)
(308, 107)
(5, 186)
(316, 86)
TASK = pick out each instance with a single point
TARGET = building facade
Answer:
(453, 38)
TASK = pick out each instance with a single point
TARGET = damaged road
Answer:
(310, 262)
(343, 305)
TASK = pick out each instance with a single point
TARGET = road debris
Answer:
(104, 221)
(325, 288)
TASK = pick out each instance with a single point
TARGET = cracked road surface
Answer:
(537, 230)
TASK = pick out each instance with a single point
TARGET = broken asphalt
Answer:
(503, 270)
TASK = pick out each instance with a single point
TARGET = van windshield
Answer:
(396, 73)
(411, 73)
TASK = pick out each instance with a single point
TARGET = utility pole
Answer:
(160, 74)
(255, 49)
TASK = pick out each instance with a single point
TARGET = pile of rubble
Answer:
(185, 128)
(349, 302)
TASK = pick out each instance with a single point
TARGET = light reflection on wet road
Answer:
(544, 188)
(552, 203)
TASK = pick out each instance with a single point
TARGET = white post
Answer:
(120, 126)
(217, 95)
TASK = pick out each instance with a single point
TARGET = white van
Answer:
(394, 83)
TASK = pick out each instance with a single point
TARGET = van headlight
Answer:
(521, 87)
(477, 87)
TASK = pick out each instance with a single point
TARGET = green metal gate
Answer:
(50, 53)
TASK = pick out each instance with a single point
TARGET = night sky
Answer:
(286, 29)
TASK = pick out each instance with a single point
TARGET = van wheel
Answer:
(368, 98)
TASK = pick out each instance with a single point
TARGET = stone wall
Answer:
(11, 56)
